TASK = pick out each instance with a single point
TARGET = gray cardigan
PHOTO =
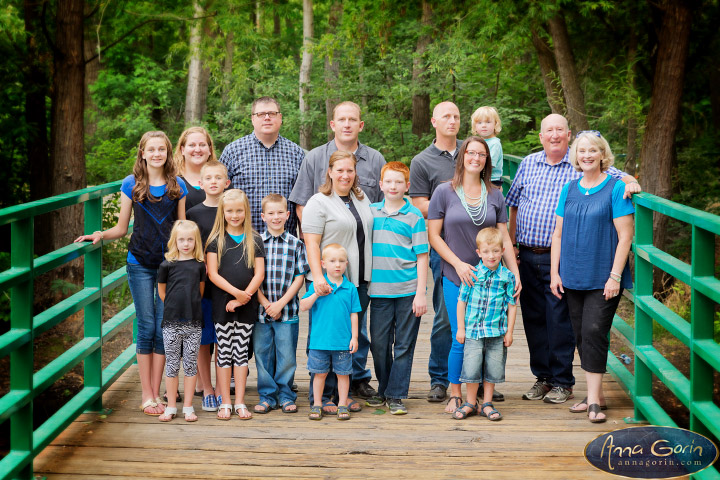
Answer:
(330, 217)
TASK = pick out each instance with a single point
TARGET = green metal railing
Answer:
(16, 406)
(696, 392)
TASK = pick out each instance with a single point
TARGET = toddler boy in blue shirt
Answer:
(334, 330)
(486, 319)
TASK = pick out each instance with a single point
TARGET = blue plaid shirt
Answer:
(284, 260)
(535, 192)
(258, 170)
(487, 302)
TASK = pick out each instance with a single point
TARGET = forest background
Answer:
(82, 81)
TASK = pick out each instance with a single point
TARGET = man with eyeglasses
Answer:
(346, 125)
(532, 198)
(264, 161)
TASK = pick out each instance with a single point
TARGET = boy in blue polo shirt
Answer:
(486, 319)
(397, 286)
(334, 330)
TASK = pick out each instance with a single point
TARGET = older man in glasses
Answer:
(264, 162)
(532, 198)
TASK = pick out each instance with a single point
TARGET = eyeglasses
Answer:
(593, 132)
(471, 153)
(265, 114)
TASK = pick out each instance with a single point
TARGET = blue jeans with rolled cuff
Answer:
(275, 348)
(142, 281)
(441, 334)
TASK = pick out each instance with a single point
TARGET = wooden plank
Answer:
(535, 440)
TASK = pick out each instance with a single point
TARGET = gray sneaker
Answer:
(538, 391)
(559, 395)
(375, 401)
(396, 406)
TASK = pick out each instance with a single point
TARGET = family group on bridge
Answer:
(215, 261)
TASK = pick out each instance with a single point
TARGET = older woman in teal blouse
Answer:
(590, 247)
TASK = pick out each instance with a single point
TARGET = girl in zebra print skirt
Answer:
(236, 267)
(181, 282)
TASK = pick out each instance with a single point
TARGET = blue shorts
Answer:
(484, 359)
(208, 328)
(320, 361)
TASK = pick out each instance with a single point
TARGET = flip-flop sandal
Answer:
(353, 406)
(583, 410)
(343, 413)
(329, 404)
(596, 409)
(265, 408)
(458, 402)
(239, 408)
(187, 411)
(225, 406)
(286, 407)
(149, 403)
(461, 414)
(168, 414)
(316, 413)
(489, 416)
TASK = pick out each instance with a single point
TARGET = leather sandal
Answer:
(596, 409)
(187, 411)
(461, 414)
(584, 401)
(168, 414)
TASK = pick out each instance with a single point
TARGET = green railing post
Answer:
(93, 311)
(702, 314)
(643, 321)
(21, 360)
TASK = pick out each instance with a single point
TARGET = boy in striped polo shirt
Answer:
(486, 319)
(397, 286)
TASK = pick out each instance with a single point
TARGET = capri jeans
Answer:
(142, 281)
(455, 358)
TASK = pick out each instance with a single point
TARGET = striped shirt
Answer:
(284, 261)
(535, 192)
(487, 302)
(258, 171)
(398, 238)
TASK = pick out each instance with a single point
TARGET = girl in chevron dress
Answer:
(235, 258)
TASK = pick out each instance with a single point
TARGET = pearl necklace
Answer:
(478, 209)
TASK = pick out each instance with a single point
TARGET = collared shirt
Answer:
(487, 302)
(535, 192)
(312, 172)
(258, 171)
(430, 168)
(331, 327)
(284, 260)
(397, 240)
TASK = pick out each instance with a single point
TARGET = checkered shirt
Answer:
(284, 260)
(535, 192)
(258, 170)
(487, 302)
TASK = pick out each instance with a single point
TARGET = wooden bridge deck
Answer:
(534, 440)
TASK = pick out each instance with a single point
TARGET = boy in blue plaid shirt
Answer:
(486, 319)
(276, 334)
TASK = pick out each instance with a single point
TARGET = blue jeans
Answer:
(275, 347)
(148, 309)
(546, 321)
(392, 321)
(457, 349)
(360, 372)
(440, 336)
(323, 361)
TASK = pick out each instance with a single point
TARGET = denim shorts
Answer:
(484, 359)
(319, 361)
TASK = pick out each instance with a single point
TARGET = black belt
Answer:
(536, 250)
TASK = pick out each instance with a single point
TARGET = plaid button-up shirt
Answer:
(258, 170)
(487, 302)
(535, 192)
(284, 260)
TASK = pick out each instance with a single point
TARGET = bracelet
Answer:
(634, 181)
(617, 278)
(102, 234)
(619, 275)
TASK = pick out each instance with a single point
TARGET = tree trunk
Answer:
(305, 124)
(332, 66)
(37, 85)
(631, 150)
(258, 16)
(196, 94)
(228, 66)
(548, 69)
(574, 98)
(67, 137)
(92, 70)
(421, 96)
(277, 26)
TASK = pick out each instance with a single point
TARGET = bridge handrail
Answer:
(16, 406)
